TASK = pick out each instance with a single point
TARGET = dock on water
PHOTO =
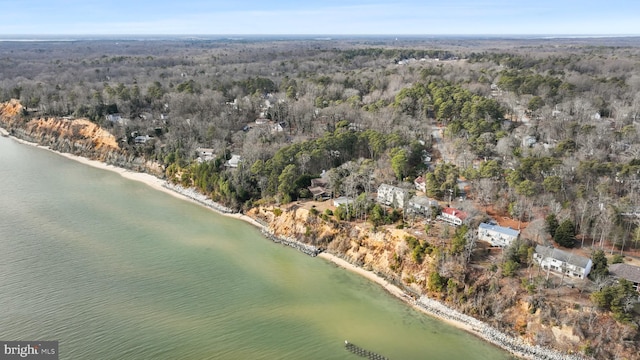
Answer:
(363, 352)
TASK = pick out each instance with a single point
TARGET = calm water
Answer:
(115, 270)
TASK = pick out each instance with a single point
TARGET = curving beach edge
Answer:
(424, 304)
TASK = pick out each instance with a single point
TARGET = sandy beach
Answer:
(147, 179)
(392, 289)
(425, 305)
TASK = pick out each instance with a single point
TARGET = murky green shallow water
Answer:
(116, 270)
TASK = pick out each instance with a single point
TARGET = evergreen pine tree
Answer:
(565, 234)
(599, 268)
(552, 224)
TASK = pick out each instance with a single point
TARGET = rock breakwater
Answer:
(491, 334)
(198, 197)
(291, 242)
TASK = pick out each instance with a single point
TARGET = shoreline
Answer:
(177, 191)
(425, 305)
(149, 180)
(390, 288)
(452, 317)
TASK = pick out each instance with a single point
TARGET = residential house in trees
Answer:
(205, 154)
(422, 205)
(628, 272)
(278, 127)
(452, 216)
(356, 127)
(142, 139)
(393, 196)
(420, 184)
(560, 261)
(319, 188)
(116, 119)
(342, 200)
(497, 235)
(234, 161)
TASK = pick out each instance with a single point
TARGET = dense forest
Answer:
(541, 131)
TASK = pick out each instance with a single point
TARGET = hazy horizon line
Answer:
(72, 37)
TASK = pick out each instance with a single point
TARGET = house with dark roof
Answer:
(319, 188)
(318, 193)
(628, 272)
(560, 261)
(320, 182)
(497, 235)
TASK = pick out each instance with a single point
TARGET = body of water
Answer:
(113, 269)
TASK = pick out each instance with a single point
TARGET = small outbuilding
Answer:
(234, 161)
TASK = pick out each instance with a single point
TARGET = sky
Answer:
(302, 17)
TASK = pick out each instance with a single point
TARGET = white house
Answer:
(452, 216)
(393, 196)
(279, 127)
(142, 139)
(116, 119)
(497, 235)
(560, 261)
(422, 205)
(342, 200)
(204, 154)
(420, 184)
(234, 161)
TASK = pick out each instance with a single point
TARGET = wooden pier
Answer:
(363, 352)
